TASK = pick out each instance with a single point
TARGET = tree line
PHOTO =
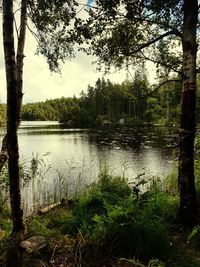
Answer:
(134, 101)
(109, 102)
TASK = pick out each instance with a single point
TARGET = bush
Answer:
(109, 215)
(37, 227)
(194, 237)
(171, 183)
(127, 231)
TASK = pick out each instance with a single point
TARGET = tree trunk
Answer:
(20, 60)
(12, 117)
(20, 55)
(188, 202)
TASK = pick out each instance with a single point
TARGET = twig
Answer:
(16, 27)
(160, 85)
(161, 63)
(52, 256)
(156, 89)
(80, 10)
(33, 33)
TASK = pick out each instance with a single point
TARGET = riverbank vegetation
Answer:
(2, 114)
(113, 223)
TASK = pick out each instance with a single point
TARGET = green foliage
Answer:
(194, 236)
(2, 114)
(110, 102)
(4, 183)
(35, 226)
(109, 215)
(51, 19)
(170, 183)
(64, 222)
(133, 121)
(129, 232)
(156, 263)
(115, 186)
(6, 226)
(141, 31)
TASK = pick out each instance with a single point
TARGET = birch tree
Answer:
(50, 19)
(12, 114)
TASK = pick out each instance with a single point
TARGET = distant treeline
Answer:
(108, 102)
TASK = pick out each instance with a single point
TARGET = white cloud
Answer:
(40, 84)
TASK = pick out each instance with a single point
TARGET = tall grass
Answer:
(109, 214)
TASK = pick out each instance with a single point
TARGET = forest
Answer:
(135, 101)
(112, 221)
(131, 101)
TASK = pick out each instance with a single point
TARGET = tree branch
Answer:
(157, 88)
(85, 5)
(150, 20)
(15, 23)
(33, 33)
(161, 84)
(161, 63)
(142, 46)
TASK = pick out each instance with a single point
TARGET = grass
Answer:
(137, 229)
(110, 215)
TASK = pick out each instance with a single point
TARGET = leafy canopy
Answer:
(51, 20)
(123, 32)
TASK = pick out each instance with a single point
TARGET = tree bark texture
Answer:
(20, 63)
(20, 54)
(188, 202)
(12, 116)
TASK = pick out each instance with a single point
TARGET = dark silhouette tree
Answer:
(123, 32)
(51, 19)
(12, 116)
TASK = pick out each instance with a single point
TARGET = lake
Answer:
(66, 160)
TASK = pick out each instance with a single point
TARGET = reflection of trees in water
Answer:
(135, 138)
(81, 154)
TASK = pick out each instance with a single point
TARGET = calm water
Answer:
(71, 158)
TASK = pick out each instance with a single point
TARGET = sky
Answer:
(40, 84)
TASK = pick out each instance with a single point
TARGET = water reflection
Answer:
(77, 156)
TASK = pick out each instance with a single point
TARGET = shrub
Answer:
(194, 237)
(108, 215)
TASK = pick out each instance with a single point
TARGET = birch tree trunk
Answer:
(12, 117)
(19, 66)
(20, 55)
(188, 202)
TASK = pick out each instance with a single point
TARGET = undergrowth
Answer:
(114, 220)
(109, 214)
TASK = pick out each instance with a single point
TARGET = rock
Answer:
(121, 121)
(34, 244)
